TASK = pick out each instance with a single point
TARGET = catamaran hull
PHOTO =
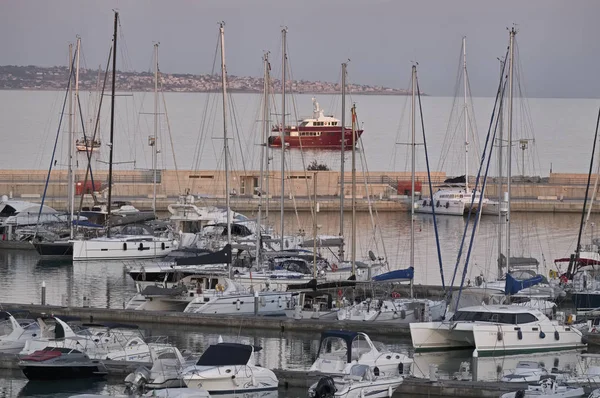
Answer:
(119, 249)
(494, 339)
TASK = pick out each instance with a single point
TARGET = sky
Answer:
(558, 41)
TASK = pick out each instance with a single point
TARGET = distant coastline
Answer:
(55, 78)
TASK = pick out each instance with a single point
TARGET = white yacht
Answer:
(451, 200)
(496, 330)
(362, 381)
(339, 350)
(120, 343)
(394, 310)
(230, 368)
(547, 387)
(20, 332)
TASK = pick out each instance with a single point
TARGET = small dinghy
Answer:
(546, 388)
(361, 382)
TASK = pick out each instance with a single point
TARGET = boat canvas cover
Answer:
(226, 354)
(513, 286)
(220, 257)
(455, 180)
(396, 275)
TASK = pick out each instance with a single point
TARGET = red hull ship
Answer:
(318, 132)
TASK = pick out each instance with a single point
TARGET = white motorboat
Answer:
(362, 381)
(20, 332)
(394, 310)
(165, 393)
(230, 368)
(452, 199)
(52, 363)
(496, 330)
(525, 372)
(166, 371)
(339, 350)
(119, 343)
(546, 388)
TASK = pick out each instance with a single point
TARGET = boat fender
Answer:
(403, 314)
(424, 203)
(162, 246)
(376, 371)
(500, 336)
(125, 246)
(447, 204)
(395, 295)
(542, 335)
(556, 335)
(437, 204)
(141, 246)
(401, 368)
(325, 387)
(519, 334)
(237, 304)
(334, 267)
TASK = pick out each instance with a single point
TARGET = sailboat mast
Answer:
(264, 149)
(112, 119)
(353, 189)
(343, 161)
(509, 140)
(266, 120)
(500, 195)
(225, 142)
(283, 64)
(71, 142)
(153, 146)
(412, 173)
(466, 115)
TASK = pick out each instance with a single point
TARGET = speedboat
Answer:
(166, 393)
(496, 330)
(340, 350)
(546, 388)
(229, 368)
(165, 372)
(14, 341)
(525, 372)
(362, 381)
(53, 363)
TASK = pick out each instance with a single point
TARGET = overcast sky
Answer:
(559, 41)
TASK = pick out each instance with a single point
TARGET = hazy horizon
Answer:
(557, 40)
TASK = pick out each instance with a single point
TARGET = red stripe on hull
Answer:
(327, 140)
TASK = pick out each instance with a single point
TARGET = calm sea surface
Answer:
(562, 129)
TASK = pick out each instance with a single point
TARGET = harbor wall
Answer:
(560, 192)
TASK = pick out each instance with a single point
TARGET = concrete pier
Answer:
(560, 192)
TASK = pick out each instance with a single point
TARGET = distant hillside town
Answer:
(55, 78)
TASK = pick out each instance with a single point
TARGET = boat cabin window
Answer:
(304, 124)
(473, 316)
(333, 348)
(526, 318)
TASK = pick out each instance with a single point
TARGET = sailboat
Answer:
(395, 309)
(453, 197)
(497, 329)
(142, 244)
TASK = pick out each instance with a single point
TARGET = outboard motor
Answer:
(325, 388)
(134, 382)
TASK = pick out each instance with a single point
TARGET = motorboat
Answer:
(525, 372)
(229, 368)
(166, 372)
(112, 341)
(547, 387)
(53, 363)
(339, 350)
(182, 392)
(394, 310)
(20, 332)
(87, 144)
(362, 381)
(317, 132)
(452, 198)
(496, 330)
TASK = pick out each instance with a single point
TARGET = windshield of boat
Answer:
(494, 317)
(333, 348)
(225, 354)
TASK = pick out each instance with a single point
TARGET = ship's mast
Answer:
(154, 142)
(282, 130)
(509, 139)
(264, 150)
(112, 120)
(500, 194)
(353, 189)
(343, 160)
(225, 138)
(412, 173)
(71, 142)
(466, 116)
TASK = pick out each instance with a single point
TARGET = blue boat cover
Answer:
(396, 275)
(513, 285)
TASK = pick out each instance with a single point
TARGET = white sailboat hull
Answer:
(121, 248)
(269, 303)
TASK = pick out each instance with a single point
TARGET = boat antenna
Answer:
(112, 121)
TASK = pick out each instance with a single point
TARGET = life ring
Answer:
(334, 267)
(220, 287)
(340, 293)
(395, 295)
(552, 274)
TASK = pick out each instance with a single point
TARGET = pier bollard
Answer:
(255, 303)
(43, 292)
